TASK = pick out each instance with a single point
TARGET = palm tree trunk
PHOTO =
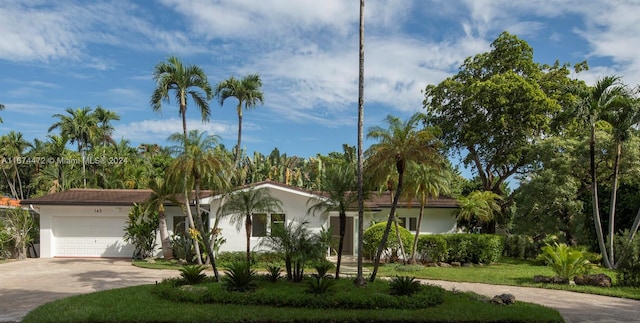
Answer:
(417, 236)
(247, 228)
(403, 254)
(167, 251)
(343, 229)
(614, 196)
(360, 281)
(201, 228)
(594, 197)
(196, 245)
(387, 229)
(236, 158)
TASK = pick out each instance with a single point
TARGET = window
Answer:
(259, 227)
(277, 220)
(179, 224)
(413, 224)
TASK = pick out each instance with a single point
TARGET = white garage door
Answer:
(90, 237)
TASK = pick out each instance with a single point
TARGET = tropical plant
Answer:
(185, 81)
(297, 246)
(319, 284)
(628, 269)
(13, 146)
(404, 286)
(1, 108)
(105, 129)
(339, 183)
(423, 182)
(478, 207)
(244, 204)
(397, 146)
(360, 276)
(182, 247)
(192, 274)
(239, 277)
(141, 229)
(372, 238)
(248, 92)
(273, 273)
(565, 261)
(322, 267)
(19, 223)
(161, 192)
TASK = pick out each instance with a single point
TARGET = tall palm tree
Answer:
(397, 146)
(424, 182)
(248, 91)
(199, 165)
(1, 108)
(594, 102)
(184, 81)
(479, 206)
(162, 191)
(360, 276)
(13, 146)
(244, 204)
(105, 127)
(339, 182)
(81, 127)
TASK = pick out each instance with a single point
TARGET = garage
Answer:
(90, 237)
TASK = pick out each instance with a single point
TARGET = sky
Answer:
(70, 54)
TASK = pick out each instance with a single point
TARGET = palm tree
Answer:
(244, 204)
(248, 92)
(1, 108)
(162, 191)
(479, 206)
(13, 147)
(360, 277)
(339, 182)
(184, 81)
(198, 165)
(397, 146)
(105, 128)
(423, 182)
(81, 127)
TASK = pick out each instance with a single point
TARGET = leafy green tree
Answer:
(478, 207)
(248, 91)
(19, 223)
(81, 127)
(495, 108)
(423, 182)
(141, 231)
(339, 183)
(397, 146)
(199, 165)
(13, 147)
(184, 81)
(244, 204)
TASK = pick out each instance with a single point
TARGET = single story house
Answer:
(90, 222)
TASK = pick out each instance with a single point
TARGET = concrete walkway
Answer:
(25, 285)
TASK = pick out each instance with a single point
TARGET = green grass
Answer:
(134, 304)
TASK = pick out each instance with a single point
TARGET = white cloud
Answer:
(157, 131)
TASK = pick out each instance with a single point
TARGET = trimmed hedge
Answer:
(373, 236)
(520, 246)
(461, 247)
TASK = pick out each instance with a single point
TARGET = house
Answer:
(90, 222)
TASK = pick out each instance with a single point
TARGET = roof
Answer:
(96, 196)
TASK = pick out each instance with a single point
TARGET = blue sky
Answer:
(60, 54)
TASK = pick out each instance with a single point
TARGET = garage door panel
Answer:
(90, 237)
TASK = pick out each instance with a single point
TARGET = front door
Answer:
(347, 248)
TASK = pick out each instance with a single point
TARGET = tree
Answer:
(478, 207)
(1, 108)
(198, 165)
(424, 182)
(12, 147)
(162, 191)
(360, 277)
(184, 81)
(397, 146)
(104, 118)
(339, 182)
(81, 127)
(248, 92)
(244, 204)
(495, 108)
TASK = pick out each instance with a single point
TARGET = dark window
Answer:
(277, 220)
(259, 227)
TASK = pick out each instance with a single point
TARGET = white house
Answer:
(90, 222)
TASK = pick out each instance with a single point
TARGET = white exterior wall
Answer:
(294, 204)
(434, 220)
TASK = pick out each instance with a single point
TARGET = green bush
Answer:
(239, 277)
(273, 273)
(404, 286)
(565, 261)
(473, 248)
(192, 274)
(319, 284)
(141, 231)
(373, 236)
(182, 246)
(322, 267)
(432, 248)
(628, 260)
(520, 246)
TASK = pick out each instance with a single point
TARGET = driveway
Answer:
(25, 285)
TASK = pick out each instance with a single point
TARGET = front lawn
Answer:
(142, 303)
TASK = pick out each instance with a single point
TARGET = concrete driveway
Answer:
(25, 285)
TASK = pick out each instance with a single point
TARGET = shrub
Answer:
(565, 261)
(628, 260)
(273, 273)
(141, 231)
(322, 267)
(475, 248)
(192, 274)
(519, 246)
(182, 246)
(319, 284)
(239, 277)
(404, 286)
(489, 248)
(432, 248)
(373, 236)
